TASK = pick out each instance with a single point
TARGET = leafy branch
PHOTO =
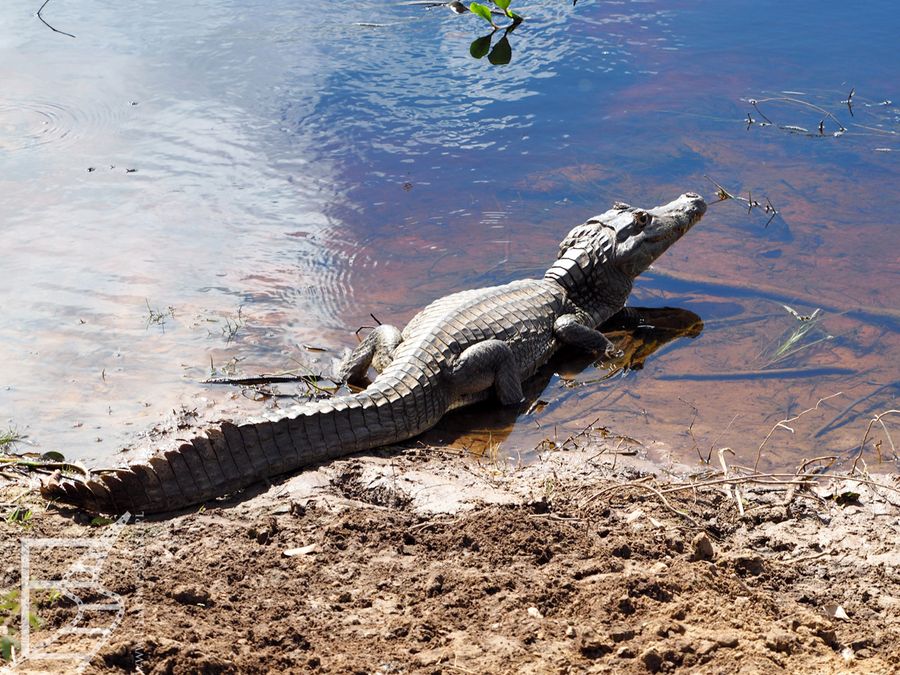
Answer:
(501, 53)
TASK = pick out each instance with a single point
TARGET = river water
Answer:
(211, 187)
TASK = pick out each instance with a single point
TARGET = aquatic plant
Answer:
(485, 12)
(501, 53)
(8, 438)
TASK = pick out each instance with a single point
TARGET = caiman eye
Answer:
(621, 206)
(641, 219)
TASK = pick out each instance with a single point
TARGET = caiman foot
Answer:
(570, 332)
(488, 364)
(376, 350)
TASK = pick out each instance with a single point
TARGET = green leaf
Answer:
(482, 11)
(480, 47)
(501, 54)
(504, 5)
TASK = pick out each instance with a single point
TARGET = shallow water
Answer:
(212, 185)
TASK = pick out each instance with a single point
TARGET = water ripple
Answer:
(27, 124)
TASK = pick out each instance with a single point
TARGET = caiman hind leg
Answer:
(376, 350)
(488, 364)
(569, 331)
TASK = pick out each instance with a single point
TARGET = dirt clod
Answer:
(191, 595)
(652, 659)
(702, 547)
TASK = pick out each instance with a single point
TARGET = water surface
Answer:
(207, 187)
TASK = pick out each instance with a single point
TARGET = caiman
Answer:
(460, 349)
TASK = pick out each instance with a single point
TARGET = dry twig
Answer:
(783, 425)
(862, 445)
(724, 195)
(659, 495)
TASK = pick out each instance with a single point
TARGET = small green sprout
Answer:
(20, 516)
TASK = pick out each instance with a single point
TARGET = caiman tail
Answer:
(231, 457)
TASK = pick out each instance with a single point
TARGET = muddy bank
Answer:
(425, 561)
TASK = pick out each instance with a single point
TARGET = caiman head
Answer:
(599, 260)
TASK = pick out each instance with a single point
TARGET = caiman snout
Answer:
(680, 214)
(693, 206)
(694, 201)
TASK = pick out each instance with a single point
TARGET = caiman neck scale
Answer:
(462, 348)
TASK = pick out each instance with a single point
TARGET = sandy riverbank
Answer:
(423, 561)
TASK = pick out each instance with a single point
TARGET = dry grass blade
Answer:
(643, 486)
(831, 459)
(731, 490)
(716, 440)
(774, 479)
(862, 445)
(783, 424)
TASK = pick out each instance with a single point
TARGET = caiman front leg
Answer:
(376, 350)
(569, 331)
(488, 364)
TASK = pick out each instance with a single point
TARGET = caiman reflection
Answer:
(638, 332)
